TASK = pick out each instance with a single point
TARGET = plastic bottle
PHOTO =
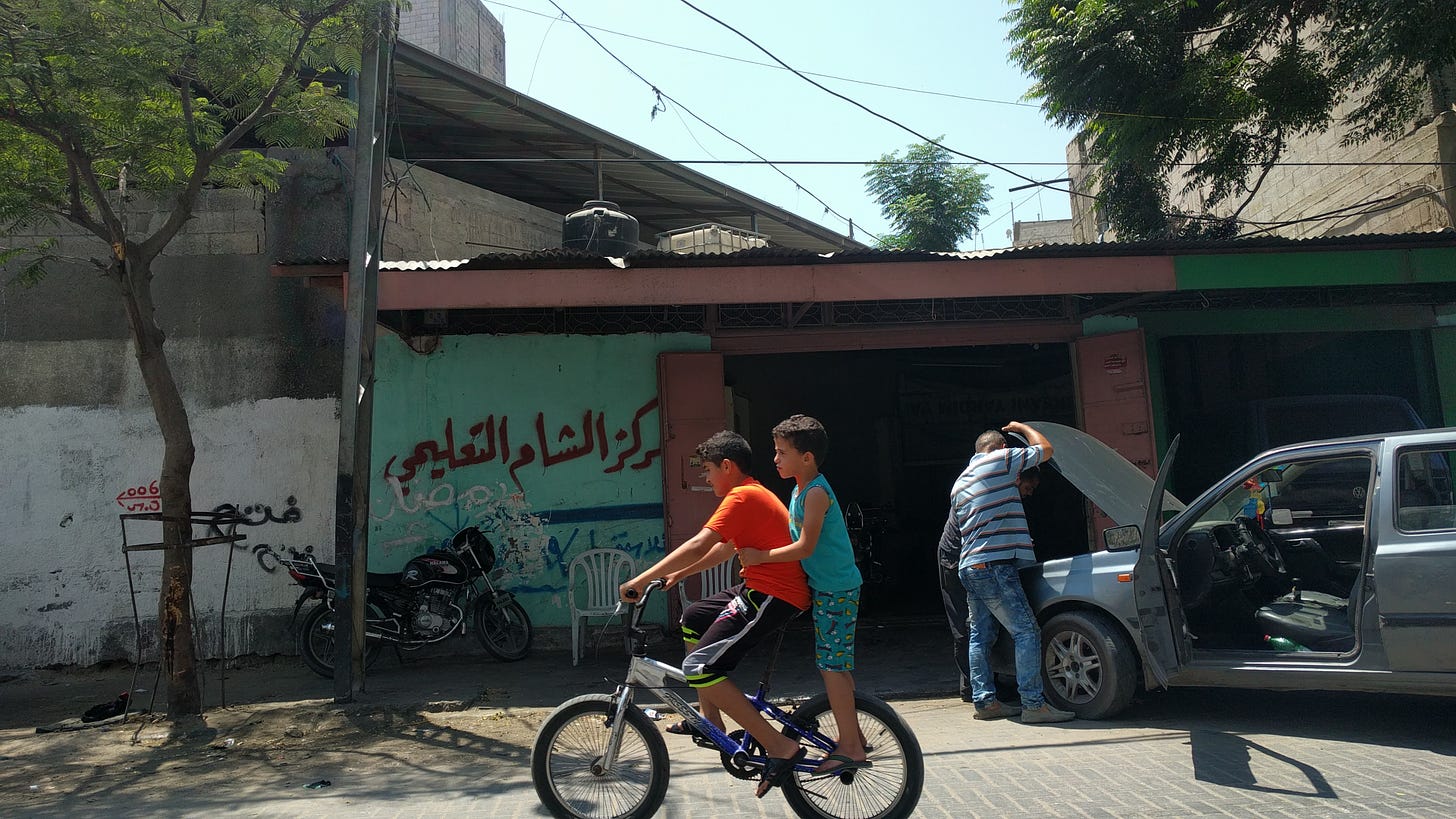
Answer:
(1283, 644)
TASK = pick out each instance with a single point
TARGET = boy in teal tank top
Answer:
(821, 545)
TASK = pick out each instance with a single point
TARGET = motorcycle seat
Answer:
(377, 580)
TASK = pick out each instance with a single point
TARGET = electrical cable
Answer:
(870, 83)
(1404, 198)
(923, 137)
(811, 162)
(664, 95)
(902, 126)
(1004, 167)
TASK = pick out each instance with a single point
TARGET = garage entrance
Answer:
(902, 424)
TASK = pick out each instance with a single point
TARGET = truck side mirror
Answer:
(1122, 538)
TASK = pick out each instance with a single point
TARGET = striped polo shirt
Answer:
(987, 506)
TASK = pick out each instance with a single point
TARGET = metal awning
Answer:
(444, 111)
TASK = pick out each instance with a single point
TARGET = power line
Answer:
(870, 83)
(692, 50)
(871, 111)
(1348, 211)
(862, 162)
(663, 95)
(901, 125)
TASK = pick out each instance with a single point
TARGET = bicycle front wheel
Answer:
(566, 763)
(890, 789)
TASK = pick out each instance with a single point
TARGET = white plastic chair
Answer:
(711, 581)
(602, 572)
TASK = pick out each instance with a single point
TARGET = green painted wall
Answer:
(1443, 344)
(1324, 269)
(553, 442)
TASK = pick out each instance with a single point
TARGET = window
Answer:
(1423, 500)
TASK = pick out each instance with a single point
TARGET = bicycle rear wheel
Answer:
(566, 758)
(888, 790)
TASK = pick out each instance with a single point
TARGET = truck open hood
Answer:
(1119, 489)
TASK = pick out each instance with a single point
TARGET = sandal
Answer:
(846, 764)
(776, 770)
(687, 729)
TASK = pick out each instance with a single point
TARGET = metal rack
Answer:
(214, 521)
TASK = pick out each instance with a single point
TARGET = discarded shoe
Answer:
(106, 710)
(996, 710)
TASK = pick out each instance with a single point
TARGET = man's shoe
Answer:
(997, 710)
(1044, 714)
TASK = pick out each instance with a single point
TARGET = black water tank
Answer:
(601, 228)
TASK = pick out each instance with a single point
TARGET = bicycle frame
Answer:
(645, 672)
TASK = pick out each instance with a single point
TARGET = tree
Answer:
(932, 203)
(103, 99)
(1216, 88)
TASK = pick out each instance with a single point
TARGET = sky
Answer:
(956, 49)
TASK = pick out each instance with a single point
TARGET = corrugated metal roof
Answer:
(575, 259)
(444, 111)
(564, 258)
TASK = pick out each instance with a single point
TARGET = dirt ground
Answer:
(253, 749)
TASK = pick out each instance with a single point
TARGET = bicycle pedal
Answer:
(704, 742)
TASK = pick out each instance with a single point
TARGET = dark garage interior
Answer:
(902, 424)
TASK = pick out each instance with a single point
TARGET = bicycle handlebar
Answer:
(632, 594)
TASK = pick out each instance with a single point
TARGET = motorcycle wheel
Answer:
(569, 747)
(316, 642)
(504, 631)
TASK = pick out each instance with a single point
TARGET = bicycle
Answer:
(598, 756)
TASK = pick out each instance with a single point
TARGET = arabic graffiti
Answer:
(141, 498)
(259, 514)
(489, 441)
(502, 513)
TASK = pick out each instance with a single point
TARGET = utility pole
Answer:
(356, 394)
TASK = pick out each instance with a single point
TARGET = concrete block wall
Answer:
(1398, 178)
(431, 216)
(1404, 197)
(428, 215)
(461, 31)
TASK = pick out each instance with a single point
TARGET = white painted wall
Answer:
(63, 587)
(257, 360)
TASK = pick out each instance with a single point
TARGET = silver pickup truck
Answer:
(1321, 565)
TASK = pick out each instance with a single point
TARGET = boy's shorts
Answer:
(721, 629)
(835, 614)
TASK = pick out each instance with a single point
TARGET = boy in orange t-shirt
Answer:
(722, 628)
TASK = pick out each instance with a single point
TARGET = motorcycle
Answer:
(432, 598)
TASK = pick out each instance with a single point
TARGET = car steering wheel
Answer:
(1264, 555)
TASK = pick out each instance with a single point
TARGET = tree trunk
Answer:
(174, 606)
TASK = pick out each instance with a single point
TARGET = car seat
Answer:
(1317, 621)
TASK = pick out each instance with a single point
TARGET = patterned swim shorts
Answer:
(835, 614)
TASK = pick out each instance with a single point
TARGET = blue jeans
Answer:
(995, 594)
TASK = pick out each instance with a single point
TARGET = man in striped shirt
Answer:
(986, 507)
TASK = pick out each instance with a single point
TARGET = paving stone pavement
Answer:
(1181, 753)
(1185, 753)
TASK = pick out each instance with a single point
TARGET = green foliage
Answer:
(181, 94)
(932, 203)
(1222, 84)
